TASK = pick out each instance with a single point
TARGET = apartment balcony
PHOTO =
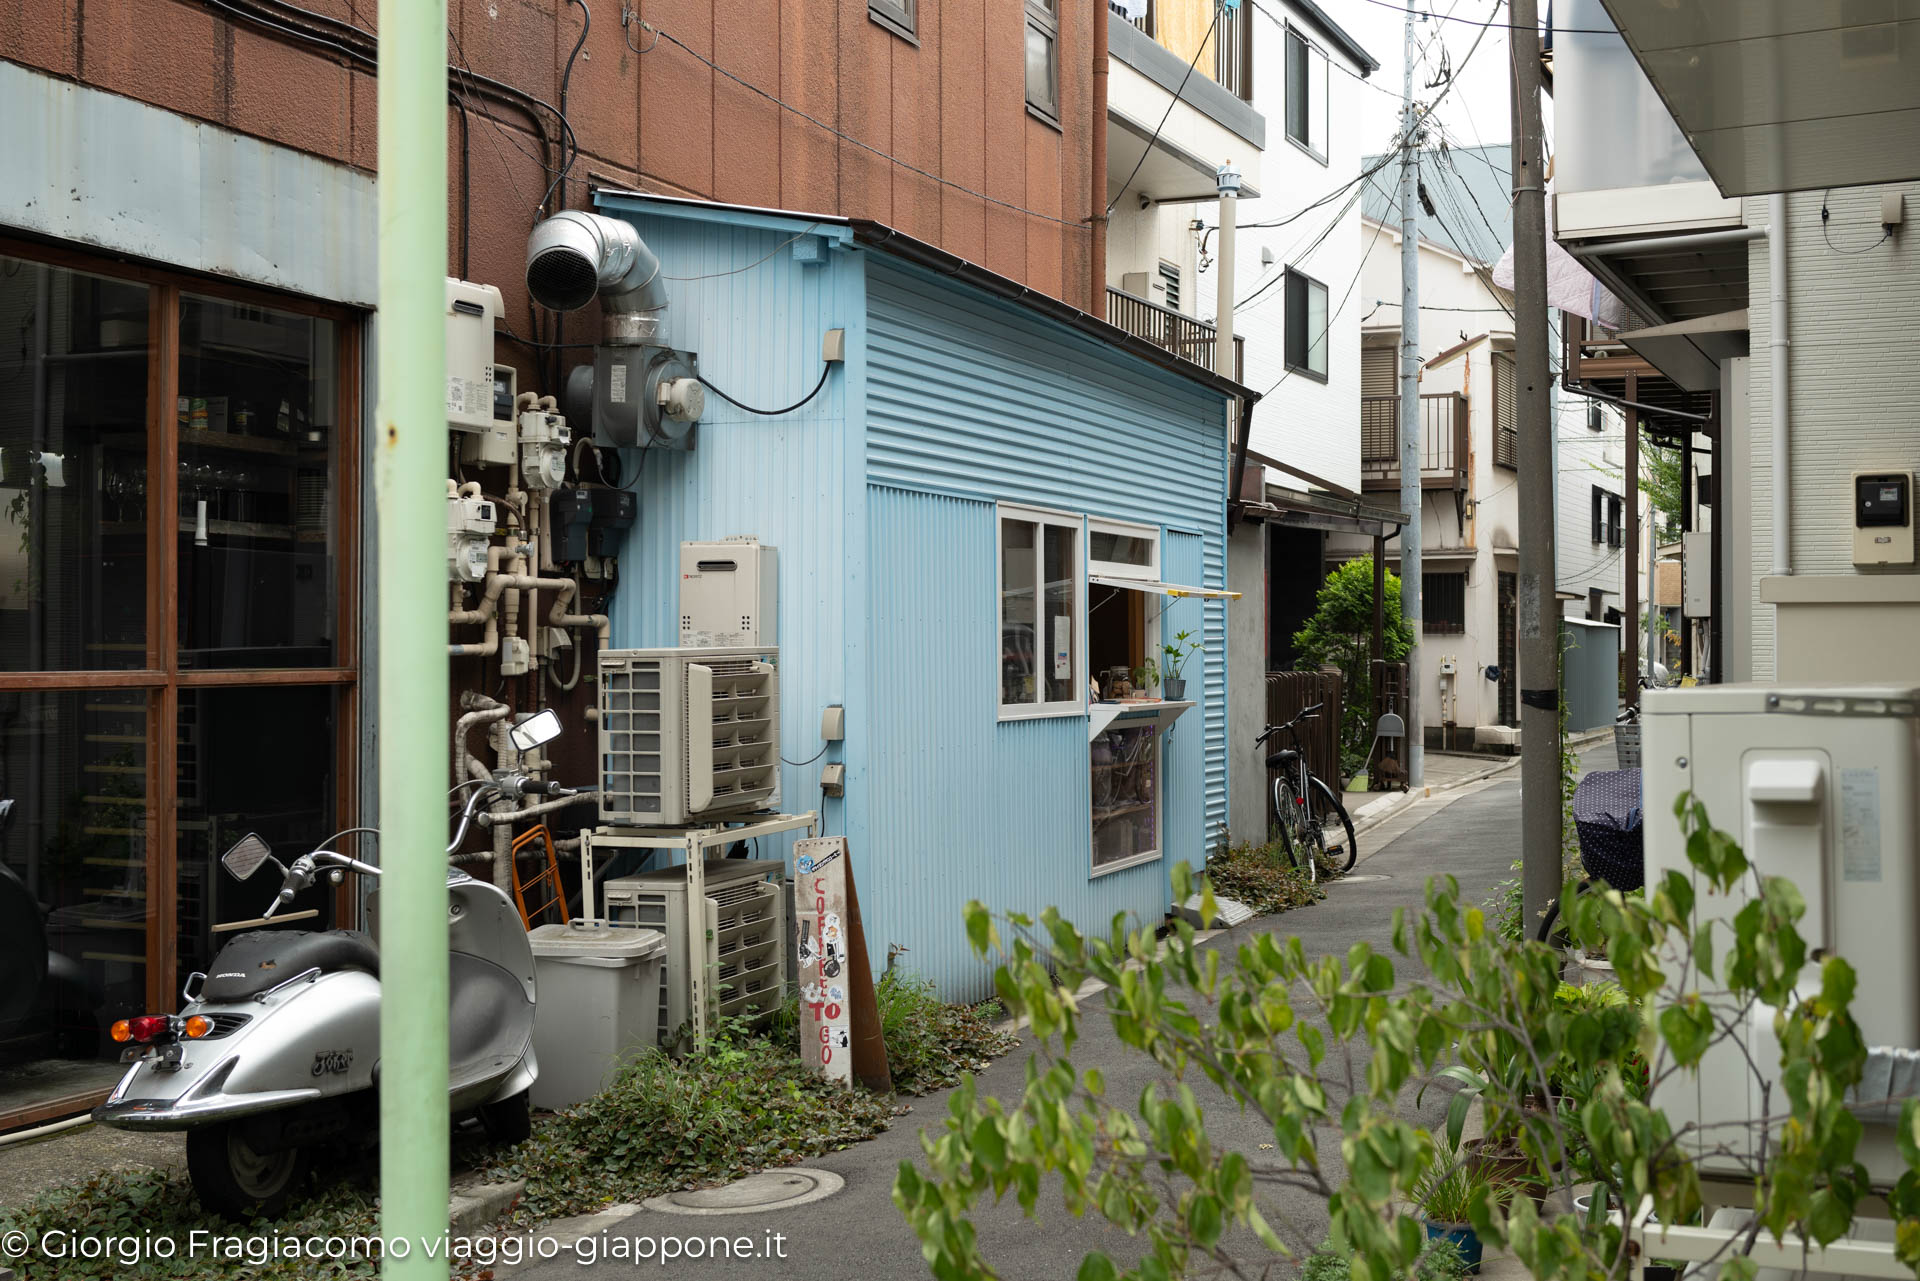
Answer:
(1190, 339)
(1232, 62)
(1444, 450)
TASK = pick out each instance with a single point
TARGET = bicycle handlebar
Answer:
(1304, 714)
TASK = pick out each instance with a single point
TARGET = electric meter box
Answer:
(472, 311)
(1883, 518)
(1818, 785)
(729, 593)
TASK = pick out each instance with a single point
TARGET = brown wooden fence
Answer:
(1387, 770)
(1287, 694)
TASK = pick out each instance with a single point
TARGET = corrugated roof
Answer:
(1471, 189)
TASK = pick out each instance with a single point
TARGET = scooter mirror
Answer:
(246, 856)
(541, 727)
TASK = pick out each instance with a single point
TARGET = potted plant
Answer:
(1446, 1198)
(1146, 676)
(1185, 645)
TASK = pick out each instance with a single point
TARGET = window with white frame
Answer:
(1119, 550)
(1039, 614)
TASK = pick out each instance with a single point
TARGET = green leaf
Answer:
(1687, 1026)
(1097, 1267)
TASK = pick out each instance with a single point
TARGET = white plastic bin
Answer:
(599, 1003)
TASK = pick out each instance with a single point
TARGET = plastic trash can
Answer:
(598, 1005)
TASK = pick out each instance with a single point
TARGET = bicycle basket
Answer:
(1606, 814)
(1626, 745)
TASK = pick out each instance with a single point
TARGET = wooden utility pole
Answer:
(1538, 606)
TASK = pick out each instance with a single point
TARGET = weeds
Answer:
(929, 1042)
(1261, 877)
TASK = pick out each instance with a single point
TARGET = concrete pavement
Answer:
(1471, 833)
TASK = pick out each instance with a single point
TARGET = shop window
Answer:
(176, 618)
(1443, 603)
(1039, 614)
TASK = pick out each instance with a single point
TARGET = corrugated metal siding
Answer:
(783, 480)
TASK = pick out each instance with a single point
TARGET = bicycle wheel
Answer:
(1341, 851)
(1296, 832)
(1281, 820)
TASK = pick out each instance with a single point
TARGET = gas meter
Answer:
(543, 449)
(470, 525)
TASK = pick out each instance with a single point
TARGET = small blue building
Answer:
(982, 511)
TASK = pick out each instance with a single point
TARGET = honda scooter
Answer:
(278, 1049)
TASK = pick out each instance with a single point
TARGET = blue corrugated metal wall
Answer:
(972, 402)
(785, 480)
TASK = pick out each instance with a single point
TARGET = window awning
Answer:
(1161, 589)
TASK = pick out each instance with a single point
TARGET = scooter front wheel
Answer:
(233, 1179)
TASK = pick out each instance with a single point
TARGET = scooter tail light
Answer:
(146, 1027)
(122, 1031)
(196, 1027)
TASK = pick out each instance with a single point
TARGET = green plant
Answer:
(1324, 1051)
(1261, 877)
(1185, 645)
(1506, 907)
(1440, 1260)
(1452, 1190)
(1341, 633)
(1146, 676)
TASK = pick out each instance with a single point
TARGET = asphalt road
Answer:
(858, 1235)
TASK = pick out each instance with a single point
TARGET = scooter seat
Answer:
(256, 961)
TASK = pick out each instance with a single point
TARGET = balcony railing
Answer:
(1444, 451)
(1232, 62)
(1175, 331)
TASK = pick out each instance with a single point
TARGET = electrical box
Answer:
(544, 439)
(641, 396)
(470, 524)
(1883, 518)
(471, 312)
(1449, 665)
(729, 593)
(1696, 574)
(1818, 785)
(688, 735)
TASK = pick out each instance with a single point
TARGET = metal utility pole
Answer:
(1229, 180)
(1410, 498)
(1630, 550)
(1538, 607)
(410, 446)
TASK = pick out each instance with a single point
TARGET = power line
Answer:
(784, 105)
(1335, 313)
(1431, 16)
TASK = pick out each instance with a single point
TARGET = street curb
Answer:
(475, 1204)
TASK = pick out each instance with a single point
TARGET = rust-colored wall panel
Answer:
(1076, 159)
(1044, 238)
(41, 34)
(1004, 121)
(172, 55)
(917, 199)
(746, 127)
(513, 40)
(317, 116)
(676, 96)
(363, 99)
(866, 113)
(809, 79)
(603, 97)
(963, 143)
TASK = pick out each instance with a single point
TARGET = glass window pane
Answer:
(1042, 87)
(251, 759)
(1126, 794)
(1297, 89)
(1317, 101)
(259, 420)
(73, 470)
(1062, 570)
(1317, 328)
(73, 888)
(1119, 549)
(1294, 335)
(1019, 646)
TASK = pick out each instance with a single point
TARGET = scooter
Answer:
(278, 1049)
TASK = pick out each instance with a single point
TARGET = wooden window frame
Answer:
(901, 17)
(162, 675)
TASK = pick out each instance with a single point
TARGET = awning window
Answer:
(1162, 589)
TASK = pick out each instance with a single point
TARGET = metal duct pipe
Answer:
(1779, 342)
(574, 256)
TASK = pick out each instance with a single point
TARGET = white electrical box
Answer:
(471, 522)
(471, 312)
(1818, 784)
(1883, 518)
(544, 439)
(729, 593)
(688, 735)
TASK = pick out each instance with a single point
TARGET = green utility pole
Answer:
(410, 445)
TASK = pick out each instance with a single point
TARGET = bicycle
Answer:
(1303, 809)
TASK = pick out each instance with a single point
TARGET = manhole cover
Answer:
(768, 1190)
(1361, 878)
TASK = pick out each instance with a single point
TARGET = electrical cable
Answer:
(1886, 233)
(784, 105)
(811, 759)
(1430, 15)
(769, 413)
(716, 275)
(566, 83)
(1206, 40)
(1335, 313)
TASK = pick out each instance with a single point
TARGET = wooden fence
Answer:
(1287, 694)
(1387, 771)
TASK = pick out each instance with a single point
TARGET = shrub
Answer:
(1341, 632)
(1261, 877)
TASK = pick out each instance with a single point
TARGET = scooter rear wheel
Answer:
(234, 1180)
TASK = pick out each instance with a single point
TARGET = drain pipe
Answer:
(1779, 344)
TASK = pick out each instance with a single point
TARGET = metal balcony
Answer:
(1188, 338)
(1444, 451)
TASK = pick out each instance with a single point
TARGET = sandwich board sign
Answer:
(839, 1017)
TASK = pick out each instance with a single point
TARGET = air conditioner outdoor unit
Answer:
(688, 735)
(746, 953)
